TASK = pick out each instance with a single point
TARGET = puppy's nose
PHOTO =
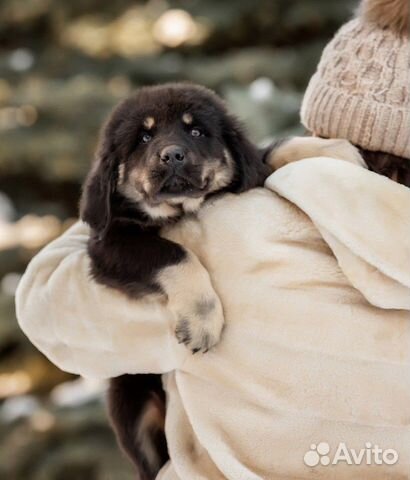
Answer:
(172, 155)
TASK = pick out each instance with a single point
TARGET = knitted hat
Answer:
(361, 90)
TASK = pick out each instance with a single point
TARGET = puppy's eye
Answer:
(195, 132)
(146, 138)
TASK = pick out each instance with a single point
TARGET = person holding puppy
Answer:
(313, 272)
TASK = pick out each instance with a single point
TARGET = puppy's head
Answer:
(164, 151)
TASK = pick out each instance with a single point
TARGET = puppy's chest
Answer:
(172, 210)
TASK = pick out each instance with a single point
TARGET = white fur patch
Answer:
(188, 204)
(192, 205)
(161, 211)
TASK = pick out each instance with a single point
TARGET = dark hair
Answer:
(389, 165)
(386, 164)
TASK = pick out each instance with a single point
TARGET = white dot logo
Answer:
(318, 454)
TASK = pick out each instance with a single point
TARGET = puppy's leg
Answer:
(136, 405)
(299, 148)
(141, 263)
(194, 302)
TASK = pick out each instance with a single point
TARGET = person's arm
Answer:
(86, 328)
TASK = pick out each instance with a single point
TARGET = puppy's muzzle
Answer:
(179, 178)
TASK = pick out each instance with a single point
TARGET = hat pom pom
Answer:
(391, 14)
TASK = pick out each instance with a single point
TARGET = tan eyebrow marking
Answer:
(187, 118)
(149, 122)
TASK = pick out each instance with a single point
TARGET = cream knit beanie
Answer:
(361, 90)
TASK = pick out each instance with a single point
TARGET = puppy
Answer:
(162, 154)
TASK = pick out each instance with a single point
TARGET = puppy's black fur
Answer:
(162, 153)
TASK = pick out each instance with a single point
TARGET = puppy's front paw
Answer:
(199, 326)
(196, 307)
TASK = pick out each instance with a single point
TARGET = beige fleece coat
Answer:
(314, 275)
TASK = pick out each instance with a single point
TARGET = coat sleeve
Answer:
(86, 328)
(363, 217)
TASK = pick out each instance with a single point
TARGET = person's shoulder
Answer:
(261, 204)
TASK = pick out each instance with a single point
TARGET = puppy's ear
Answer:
(248, 159)
(99, 187)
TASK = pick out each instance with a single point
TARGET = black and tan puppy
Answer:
(162, 153)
